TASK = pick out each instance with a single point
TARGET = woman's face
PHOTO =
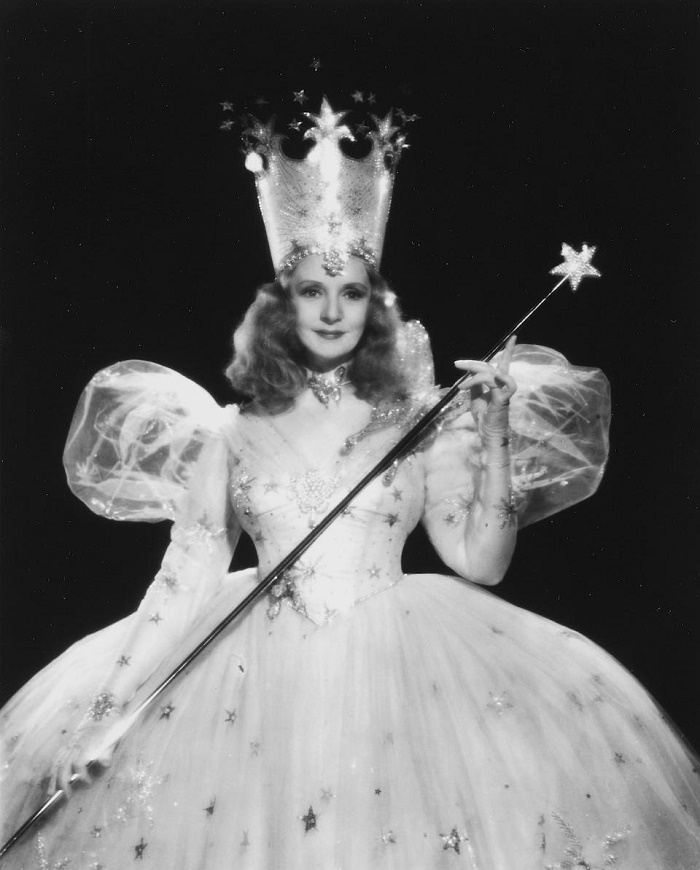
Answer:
(331, 310)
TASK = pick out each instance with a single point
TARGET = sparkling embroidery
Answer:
(231, 716)
(462, 508)
(140, 848)
(198, 533)
(575, 855)
(42, 857)
(388, 838)
(500, 703)
(139, 786)
(240, 490)
(286, 589)
(507, 511)
(167, 581)
(312, 490)
(101, 706)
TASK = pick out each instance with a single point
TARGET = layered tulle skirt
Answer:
(432, 726)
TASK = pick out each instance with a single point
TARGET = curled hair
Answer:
(268, 365)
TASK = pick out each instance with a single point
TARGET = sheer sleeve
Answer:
(148, 444)
(136, 435)
(559, 420)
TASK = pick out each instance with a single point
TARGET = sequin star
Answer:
(155, 618)
(231, 716)
(576, 265)
(462, 505)
(210, 809)
(452, 840)
(371, 98)
(245, 842)
(358, 96)
(96, 832)
(309, 820)
(396, 493)
(300, 97)
(124, 661)
(140, 848)
(166, 712)
(226, 106)
(620, 758)
(374, 572)
(450, 519)
(507, 512)
(315, 64)
(377, 791)
(326, 794)
(261, 101)
(385, 127)
(392, 519)
(255, 747)
(226, 125)
(295, 125)
(388, 838)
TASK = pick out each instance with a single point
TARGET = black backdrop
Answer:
(131, 231)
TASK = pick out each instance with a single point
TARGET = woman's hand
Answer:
(89, 745)
(491, 387)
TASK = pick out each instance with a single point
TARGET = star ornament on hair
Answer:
(576, 265)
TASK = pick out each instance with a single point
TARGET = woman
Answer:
(357, 717)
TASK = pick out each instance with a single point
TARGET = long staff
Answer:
(575, 267)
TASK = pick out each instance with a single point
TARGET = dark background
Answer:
(131, 231)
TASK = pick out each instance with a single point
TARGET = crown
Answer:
(326, 203)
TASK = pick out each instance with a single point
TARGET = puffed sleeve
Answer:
(148, 444)
(559, 421)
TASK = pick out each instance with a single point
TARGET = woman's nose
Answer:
(331, 312)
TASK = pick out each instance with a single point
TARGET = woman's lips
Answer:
(329, 333)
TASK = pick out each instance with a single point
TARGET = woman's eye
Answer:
(355, 294)
(310, 291)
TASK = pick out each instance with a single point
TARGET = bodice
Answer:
(278, 495)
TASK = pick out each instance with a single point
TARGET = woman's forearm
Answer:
(491, 529)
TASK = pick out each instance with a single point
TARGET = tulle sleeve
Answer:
(136, 435)
(148, 444)
(559, 420)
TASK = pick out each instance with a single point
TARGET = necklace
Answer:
(326, 387)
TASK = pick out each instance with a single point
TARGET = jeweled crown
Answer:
(327, 203)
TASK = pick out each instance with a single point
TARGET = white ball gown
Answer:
(356, 717)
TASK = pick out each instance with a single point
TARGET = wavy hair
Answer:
(268, 365)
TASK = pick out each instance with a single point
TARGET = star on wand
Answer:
(576, 267)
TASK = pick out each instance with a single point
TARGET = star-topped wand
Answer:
(576, 266)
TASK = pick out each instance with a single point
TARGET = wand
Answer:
(576, 266)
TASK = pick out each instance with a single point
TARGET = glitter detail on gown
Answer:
(361, 717)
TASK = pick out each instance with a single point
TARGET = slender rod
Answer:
(409, 440)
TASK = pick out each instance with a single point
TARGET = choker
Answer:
(327, 387)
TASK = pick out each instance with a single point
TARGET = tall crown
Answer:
(326, 203)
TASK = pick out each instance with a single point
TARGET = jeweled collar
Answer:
(328, 386)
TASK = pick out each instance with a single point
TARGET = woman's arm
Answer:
(477, 538)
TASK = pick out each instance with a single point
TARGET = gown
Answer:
(357, 716)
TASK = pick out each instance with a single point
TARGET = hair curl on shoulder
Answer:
(268, 365)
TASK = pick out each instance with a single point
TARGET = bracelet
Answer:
(101, 706)
(503, 463)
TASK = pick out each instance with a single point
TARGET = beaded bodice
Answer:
(278, 496)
